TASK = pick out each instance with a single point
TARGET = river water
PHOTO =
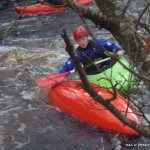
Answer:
(27, 121)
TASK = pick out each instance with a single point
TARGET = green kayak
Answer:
(117, 75)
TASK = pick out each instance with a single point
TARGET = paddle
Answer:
(53, 79)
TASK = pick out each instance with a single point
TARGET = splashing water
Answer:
(28, 122)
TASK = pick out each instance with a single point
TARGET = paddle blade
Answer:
(51, 79)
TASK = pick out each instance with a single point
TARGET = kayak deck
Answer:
(117, 75)
(69, 97)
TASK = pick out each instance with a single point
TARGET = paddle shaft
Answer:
(52, 79)
(95, 63)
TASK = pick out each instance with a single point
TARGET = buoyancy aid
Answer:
(91, 54)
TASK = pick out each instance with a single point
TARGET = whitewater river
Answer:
(27, 121)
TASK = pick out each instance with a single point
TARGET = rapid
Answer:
(27, 121)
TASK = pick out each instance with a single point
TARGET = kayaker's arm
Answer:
(68, 66)
(112, 47)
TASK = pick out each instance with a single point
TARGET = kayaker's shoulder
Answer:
(101, 40)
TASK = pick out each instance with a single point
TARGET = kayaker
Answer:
(90, 51)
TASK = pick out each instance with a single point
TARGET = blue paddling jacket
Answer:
(90, 54)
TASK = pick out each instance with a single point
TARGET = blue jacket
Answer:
(91, 53)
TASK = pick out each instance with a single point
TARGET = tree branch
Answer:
(144, 131)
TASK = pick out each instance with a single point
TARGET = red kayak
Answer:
(37, 8)
(69, 97)
(147, 41)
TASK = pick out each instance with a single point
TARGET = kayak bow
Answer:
(69, 97)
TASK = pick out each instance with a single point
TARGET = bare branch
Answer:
(145, 9)
(127, 6)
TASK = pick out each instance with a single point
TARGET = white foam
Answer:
(22, 128)
(27, 95)
(4, 48)
(9, 110)
(19, 144)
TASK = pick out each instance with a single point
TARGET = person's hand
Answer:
(120, 53)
